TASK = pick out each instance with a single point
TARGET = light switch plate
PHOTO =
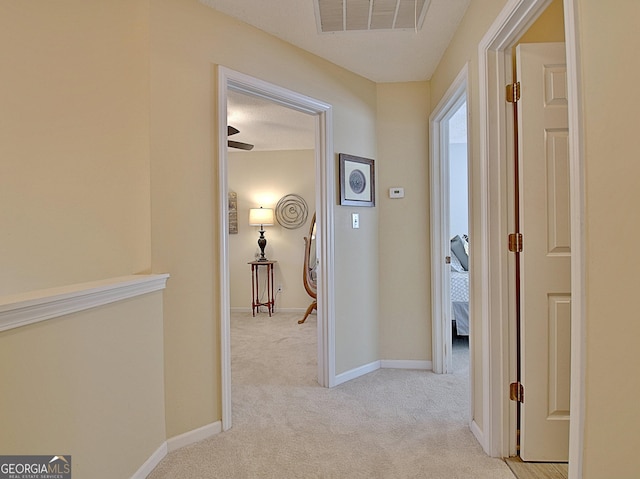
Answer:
(396, 192)
(355, 220)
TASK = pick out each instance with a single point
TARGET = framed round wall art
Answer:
(357, 181)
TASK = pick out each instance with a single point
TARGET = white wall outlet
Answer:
(355, 220)
(396, 192)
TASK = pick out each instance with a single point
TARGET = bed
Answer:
(460, 301)
(460, 286)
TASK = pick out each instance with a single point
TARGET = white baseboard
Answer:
(240, 310)
(175, 443)
(383, 364)
(477, 432)
(151, 463)
(406, 364)
(357, 372)
(194, 436)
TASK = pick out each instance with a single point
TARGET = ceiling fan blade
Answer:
(240, 145)
(231, 130)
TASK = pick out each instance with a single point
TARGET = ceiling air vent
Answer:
(359, 15)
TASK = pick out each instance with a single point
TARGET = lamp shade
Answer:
(261, 216)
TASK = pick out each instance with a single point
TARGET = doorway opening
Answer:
(459, 233)
(271, 170)
(450, 228)
(540, 219)
(495, 126)
(271, 165)
(229, 80)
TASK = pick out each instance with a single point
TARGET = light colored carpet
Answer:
(387, 424)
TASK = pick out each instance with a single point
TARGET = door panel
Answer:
(559, 356)
(559, 227)
(546, 255)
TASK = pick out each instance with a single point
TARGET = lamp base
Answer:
(262, 243)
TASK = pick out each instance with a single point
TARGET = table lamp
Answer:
(261, 217)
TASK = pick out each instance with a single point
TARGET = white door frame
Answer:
(494, 73)
(325, 194)
(440, 244)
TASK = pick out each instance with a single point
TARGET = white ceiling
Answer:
(380, 55)
(388, 55)
(267, 125)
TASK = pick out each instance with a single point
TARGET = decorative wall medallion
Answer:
(291, 211)
(357, 181)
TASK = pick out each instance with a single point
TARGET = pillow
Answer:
(457, 248)
(455, 264)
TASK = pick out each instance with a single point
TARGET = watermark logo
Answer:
(35, 467)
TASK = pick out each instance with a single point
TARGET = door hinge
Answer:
(513, 92)
(447, 260)
(516, 392)
(515, 242)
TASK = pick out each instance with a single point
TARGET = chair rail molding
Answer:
(27, 308)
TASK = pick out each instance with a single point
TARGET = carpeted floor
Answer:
(388, 424)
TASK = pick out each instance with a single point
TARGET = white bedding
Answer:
(460, 286)
(460, 301)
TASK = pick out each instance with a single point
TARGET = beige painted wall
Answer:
(463, 49)
(78, 149)
(89, 384)
(405, 283)
(75, 207)
(74, 142)
(82, 96)
(261, 178)
(611, 422)
(75, 201)
(188, 40)
(549, 26)
(608, 37)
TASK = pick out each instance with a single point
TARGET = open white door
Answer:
(546, 253)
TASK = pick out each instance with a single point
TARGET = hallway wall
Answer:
(188, 40)
(611, 420)
(88, 384)
(74, 142)
(405, 282)
(462, 50)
